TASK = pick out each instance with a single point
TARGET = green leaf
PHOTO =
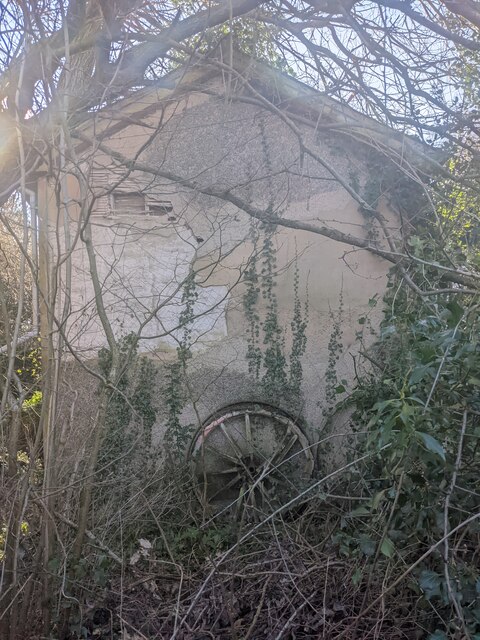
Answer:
(387, 547)
(367, 545)
(417, 244)
(406, 412)
(357, 576)
(426, 352)
(456, 313)
(418, 374)
(34, 401)
(430, 582)
(360, 511)
(380, 406)
(54, 564)
(377, 498)
(432, 444)
(340, 388)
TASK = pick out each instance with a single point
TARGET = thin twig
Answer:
(446, 527)
(290, 620)
(258, 610)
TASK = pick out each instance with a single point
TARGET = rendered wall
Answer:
(143, 262)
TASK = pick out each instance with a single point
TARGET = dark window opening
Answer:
(159, 208)
(136, 204)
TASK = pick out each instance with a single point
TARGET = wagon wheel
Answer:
(250, 457)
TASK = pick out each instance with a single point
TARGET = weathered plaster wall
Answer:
(143, 262)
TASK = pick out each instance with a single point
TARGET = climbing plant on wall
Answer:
(130, 413)
(298, 328)
(280, 373)
(274, 379)
(178, 435)
(334, 348)
(250, 302)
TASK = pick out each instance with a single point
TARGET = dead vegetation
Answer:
(194, 577)
(284, 589)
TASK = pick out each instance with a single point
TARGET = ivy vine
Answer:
(280, 375)
(334, 348)
(131, 413)
(250, 302)
(177, 434)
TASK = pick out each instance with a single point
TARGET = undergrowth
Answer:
(387, 547)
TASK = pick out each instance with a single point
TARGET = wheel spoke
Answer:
(248, 428)
(251, 494)
(261, 487)
(280, 455)
(240, 501)
(226, 487)
(248, 432)
(276, 451)
(223, 454)
(234, 445)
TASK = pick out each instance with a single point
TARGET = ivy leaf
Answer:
(456, 313)
(377, 498)
(360, 511)
(357, 576)
(367, 545)
(417, 244)
(430, 582)
(387, 547)
(432, 444)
